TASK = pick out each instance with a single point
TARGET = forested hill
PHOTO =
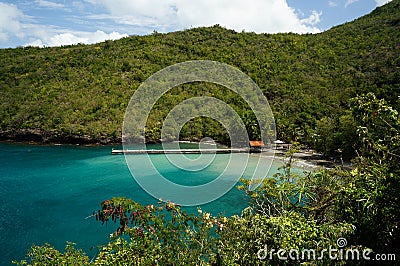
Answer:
(80, 92)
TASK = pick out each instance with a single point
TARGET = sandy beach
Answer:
(308, 159)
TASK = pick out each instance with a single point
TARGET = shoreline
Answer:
(310, 160)
(307, 159)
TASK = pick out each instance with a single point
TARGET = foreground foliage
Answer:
(371, 198)
(166, 235)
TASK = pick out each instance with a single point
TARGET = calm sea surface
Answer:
(47, 191)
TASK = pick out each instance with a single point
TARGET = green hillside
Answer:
(79, 93)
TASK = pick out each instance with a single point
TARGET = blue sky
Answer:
(62, 22)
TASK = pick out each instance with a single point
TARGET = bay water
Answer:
(47, 191)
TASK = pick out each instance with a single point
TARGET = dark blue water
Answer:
(47, 191)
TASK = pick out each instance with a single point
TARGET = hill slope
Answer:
(79, 93)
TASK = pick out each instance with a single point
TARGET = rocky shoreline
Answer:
(45, 137)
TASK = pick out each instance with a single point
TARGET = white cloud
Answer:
(332, 3)
(10, 21)
(78, 5)
(48, 4)
(253, 15)
(313, 19)
(36, 43)
(382, 2)
(349, 2)
(13, 23)
(269, 16)
(68, 38)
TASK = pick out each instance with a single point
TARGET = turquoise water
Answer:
(47, 191)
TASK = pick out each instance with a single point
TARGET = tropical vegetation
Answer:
(337, 91)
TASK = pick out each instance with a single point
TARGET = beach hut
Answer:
(256, 145)
(278, 144)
